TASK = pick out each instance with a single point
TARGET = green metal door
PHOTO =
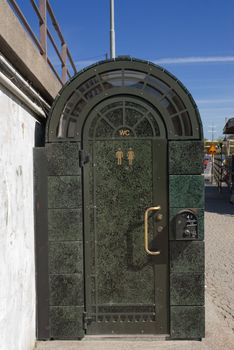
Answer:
(126, 288)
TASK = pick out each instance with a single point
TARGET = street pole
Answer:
(221, 176)
(212, 139)
(112, 29)
(212, 170)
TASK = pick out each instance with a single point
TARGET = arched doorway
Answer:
(112, 137)
(126, 289)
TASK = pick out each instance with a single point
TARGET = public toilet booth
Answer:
(119, 207)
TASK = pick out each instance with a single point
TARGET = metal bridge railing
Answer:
(42, 11)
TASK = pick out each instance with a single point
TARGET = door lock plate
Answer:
(159, 217)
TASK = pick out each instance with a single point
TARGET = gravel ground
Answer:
(219, 232)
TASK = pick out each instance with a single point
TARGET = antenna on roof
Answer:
(112, 29)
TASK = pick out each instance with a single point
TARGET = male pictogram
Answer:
(119, 155)
(131, 156)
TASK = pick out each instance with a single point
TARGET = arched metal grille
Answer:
(171, 99)
(124, 118)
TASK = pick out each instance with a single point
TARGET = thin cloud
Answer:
(217, 109)
(194, 60)
(212, 101)
(174, 60)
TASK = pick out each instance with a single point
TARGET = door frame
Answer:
(159, 155)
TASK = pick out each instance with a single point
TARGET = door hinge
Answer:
(83, 158)
(86, 320)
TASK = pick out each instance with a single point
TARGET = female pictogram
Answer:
(131, 156)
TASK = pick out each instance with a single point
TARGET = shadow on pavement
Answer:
(218, 202)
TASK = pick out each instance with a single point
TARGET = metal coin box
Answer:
(119, 207)
(186, 225)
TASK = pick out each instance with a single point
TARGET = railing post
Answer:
(43, 26)
(64, 63)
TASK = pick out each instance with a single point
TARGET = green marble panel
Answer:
(187, 256)
(122, 193)
(185, 157)
(65, 257)
(66, 290)
(65, 224)
(63, 158)
(187, 289)
(64, 192)
(200, 221)
(187, 322)
(186, 191)
(66, 322)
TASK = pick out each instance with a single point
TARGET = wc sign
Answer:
(124, 132)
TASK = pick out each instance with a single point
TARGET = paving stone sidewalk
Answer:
(219, 231)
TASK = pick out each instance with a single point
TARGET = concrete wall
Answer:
(17, 268)
(17, 46)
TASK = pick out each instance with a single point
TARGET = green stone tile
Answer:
(185, 157)
(66, 290)
(64, 192)
(187, 256)
(187, 322)
(173, 235)
(65, 258)
(187, 289)
(186, 191)
(66, 322)
(63, 158)
(65, 224)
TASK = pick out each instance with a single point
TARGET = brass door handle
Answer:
(146, 230)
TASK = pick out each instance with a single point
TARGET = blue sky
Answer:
(193, 39)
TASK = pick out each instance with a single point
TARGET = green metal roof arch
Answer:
(127, 76)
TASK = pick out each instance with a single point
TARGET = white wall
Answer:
(17, 268)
